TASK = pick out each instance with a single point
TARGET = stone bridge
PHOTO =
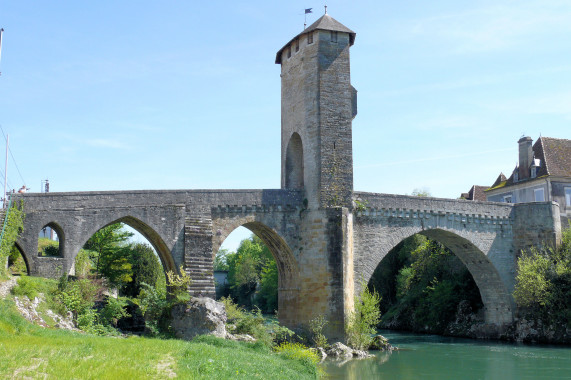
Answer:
(326, 238)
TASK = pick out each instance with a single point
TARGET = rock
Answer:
(199, 316)
(339, 350)
(361, 354)
(320, 352)
(381, 343)
(240, 337)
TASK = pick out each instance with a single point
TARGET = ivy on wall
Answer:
(14, 225)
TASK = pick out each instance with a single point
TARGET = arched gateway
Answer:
(325, 237)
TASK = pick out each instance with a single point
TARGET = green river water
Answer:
(436, 357)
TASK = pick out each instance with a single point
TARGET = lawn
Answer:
(29, 351)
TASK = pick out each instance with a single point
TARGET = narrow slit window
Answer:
(333, 36)
(289, 52)
(296, 45)
(310, 38)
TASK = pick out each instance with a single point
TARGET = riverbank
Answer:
(30, 351)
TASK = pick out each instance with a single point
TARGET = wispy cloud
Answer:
(495, 27)
(434, 158)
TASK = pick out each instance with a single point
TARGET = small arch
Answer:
(54, 232)
(149, 233)
(294, 163)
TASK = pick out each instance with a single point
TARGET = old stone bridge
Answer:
(326, 238)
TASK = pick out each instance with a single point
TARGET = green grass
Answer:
(29, 351)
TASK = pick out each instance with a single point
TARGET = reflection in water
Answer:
(434, 357)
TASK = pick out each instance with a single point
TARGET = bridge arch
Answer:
(153, 237)
(294, 163)
(498, 307)
(24, 257)
(57, 228)
(288, 270)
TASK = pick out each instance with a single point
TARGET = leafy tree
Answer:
(111, 254)
(543, 282)
(145, 266)
(221, 259)
(250, 269)
(424, 192)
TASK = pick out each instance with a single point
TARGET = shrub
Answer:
(26, 286)
(363, 320)
(298, 351)
(178, 286)
(316, 326)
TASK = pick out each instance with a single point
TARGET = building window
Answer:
(539, 195)
(508, 198)
(289, 52)
(533, 171)
(310, 38)
(296, 45)
(568, 196)
(333, 36)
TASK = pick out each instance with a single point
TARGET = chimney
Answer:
(525, 157)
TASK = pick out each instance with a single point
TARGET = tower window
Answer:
(289, 52)
(296, 45)
(310, 38)
(333, 36)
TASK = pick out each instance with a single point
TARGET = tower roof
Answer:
(325, 22)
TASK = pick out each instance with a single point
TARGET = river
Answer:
(435, 357)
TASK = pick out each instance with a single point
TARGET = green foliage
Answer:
(16, 263)
(233, 311)
(145, 266)
(221, 260)
(543, 282)
(363, 321)
(13, 225)
(114, 309)
(83, 263)
(424, 192)
(155, 308)
(425, 283)
(111, 257)
(178, 286)
(360, 205)
(298, 351)
(316, 326)
(252, 275)
(26, 286)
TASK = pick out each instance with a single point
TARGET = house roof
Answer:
(476, 193)
(553, 157)
(325, 22)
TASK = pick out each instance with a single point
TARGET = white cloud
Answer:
(495, 27)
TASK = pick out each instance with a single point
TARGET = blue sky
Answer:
(119, 95)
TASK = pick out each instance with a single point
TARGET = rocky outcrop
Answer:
(340, 351)
(199, 316)
(380, 343)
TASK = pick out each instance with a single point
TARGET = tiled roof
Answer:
(556, 153)
(476, 193)
(554, 158)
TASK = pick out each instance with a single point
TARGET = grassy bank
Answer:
(29, 351)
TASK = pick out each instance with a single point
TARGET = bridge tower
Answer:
(318, 106)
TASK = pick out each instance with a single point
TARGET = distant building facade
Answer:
(543, 173)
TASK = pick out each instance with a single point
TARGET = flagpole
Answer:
(6, 170)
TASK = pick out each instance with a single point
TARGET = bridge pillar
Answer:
(198, 256)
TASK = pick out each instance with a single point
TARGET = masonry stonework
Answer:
(325, 237)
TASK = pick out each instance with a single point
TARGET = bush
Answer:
(316, 326)
(543, 282)
(26, 286)
(362, 322)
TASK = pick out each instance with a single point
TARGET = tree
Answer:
(424, 192)
(145, 266)
(221, 259)
(109, 246)
(253, 264)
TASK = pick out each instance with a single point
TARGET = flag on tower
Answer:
(308, 10)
